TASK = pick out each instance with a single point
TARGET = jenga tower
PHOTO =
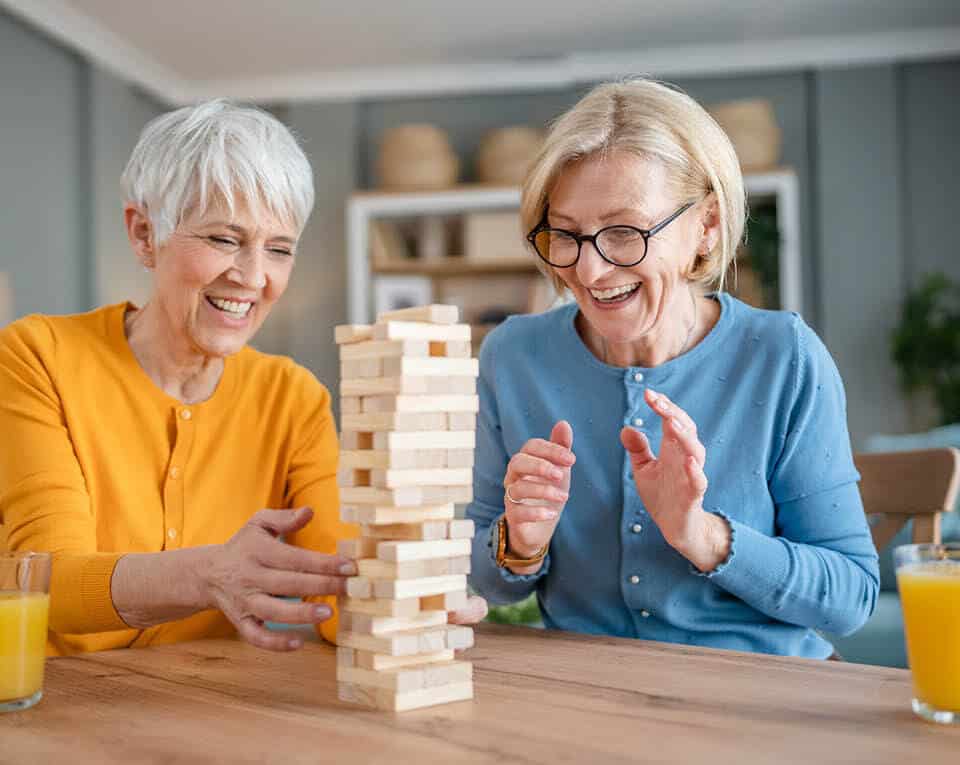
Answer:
(408, 410)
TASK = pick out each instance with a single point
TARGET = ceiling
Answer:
(291, 49)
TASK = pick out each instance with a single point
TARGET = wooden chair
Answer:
(902, 486)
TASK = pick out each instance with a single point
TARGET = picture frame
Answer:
(391, 293)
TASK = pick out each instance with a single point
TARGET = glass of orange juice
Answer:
(928, 577)
(24, 603)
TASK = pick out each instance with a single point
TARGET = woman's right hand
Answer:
(536, 488)
(248, 576)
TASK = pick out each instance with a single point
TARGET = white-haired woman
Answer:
(713, 499)
(141, 444)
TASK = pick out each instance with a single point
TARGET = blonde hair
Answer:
(653, 120)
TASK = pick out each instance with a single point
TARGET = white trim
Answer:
(782, 185)
(79, 31)
(82, 32)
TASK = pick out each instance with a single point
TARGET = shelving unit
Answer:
(779, 186)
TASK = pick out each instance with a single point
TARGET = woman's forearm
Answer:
(152, 588)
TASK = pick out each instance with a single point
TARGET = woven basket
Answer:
(416, 157)
(505, 154)
(753, 131)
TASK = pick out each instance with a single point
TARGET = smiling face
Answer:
(643, 302)
(218, 275)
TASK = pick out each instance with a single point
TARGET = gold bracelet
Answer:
(503, 561)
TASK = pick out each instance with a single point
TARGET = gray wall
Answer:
(43, 205)
(118, 113)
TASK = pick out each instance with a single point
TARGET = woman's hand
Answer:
(537, 485)
(246, 575)
(672, 485)
(472, 613)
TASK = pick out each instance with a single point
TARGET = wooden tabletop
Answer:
(541, 697)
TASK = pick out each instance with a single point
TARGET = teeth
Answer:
(232, 306)
(614, 291)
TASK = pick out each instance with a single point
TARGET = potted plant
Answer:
(926, 344)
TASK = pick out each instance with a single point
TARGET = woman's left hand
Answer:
(472, 613)
(672, 485)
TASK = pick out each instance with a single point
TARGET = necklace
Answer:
(686, 341)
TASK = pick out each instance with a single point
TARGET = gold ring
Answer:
(510, 497)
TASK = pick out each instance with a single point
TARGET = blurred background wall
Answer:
(874, 146)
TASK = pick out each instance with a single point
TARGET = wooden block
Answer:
(406, 551)
(355, 439)
(365, 624)
(406, 643)
(406, 459)
(422, 532)
(461, 421)
(454, 349)
(420, 404)
(404, 679)
(375, 568)
(405, 497)
(356, 368)
(409, 496)
(393, 479)
(415, 588)
(384, 349)
(351, 477)
(377, 422)
(434, 314)
(431, 439)
(355, 333)
(459, 458)
(361, 587)
(346, 657)
(350, 405)
(447, 601)
(382, 607)
(389, 701)
(430, 367)
(462, 528)
(377, 516)
(357, 548)
(380, 661)
(450, 386)
(411, 330)
(383, 386)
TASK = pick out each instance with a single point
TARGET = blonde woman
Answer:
(657, 459)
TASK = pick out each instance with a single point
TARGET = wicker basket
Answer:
(416, 157)
(753, 131)
(505, 154)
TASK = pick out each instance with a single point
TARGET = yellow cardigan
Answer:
(96, 461)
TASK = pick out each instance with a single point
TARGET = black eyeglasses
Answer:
(619, 245)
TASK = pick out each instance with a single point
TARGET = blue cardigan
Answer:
(770, 409)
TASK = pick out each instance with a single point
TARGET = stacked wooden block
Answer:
(408, 419)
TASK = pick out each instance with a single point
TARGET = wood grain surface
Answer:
(541, 697)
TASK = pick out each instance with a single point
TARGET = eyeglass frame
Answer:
(645, 234)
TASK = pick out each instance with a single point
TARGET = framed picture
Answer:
(391, 293)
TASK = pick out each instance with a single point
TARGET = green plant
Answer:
(763, 250)
(926, 344)
(525, 612)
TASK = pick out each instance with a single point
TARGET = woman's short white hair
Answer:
(652, 120)
(217, 151)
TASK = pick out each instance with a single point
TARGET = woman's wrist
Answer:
(709, 545)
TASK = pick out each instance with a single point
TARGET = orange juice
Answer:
(23, 642)
(930, 594)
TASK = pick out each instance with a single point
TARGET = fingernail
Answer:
(295, 643)
(322, 612)
(348, 569)
(549, 515)
(556, 474)
(676, 423)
